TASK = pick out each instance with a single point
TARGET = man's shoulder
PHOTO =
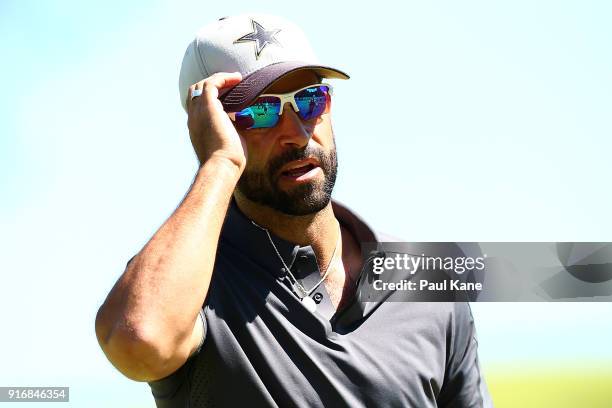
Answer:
(363, 230)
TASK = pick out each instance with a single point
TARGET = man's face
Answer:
(292, 166)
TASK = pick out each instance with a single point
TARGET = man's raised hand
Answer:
(211, 131)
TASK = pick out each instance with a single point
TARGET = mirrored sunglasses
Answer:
(309, 103)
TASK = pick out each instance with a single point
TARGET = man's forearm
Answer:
(153, 306)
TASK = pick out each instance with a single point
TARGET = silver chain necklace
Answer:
(297, 287)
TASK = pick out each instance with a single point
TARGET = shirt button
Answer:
(317, 298)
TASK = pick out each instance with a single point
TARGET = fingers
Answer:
(222, 80)
(212, 85)
(192, 94)
(210, 128)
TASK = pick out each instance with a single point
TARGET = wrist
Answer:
(228, 165)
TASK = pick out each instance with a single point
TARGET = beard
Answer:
(261, 186)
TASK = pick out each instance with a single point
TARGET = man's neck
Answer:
(319, 230)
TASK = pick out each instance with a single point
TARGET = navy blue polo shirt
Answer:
(263, 348)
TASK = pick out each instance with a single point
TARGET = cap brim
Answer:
(245, 93)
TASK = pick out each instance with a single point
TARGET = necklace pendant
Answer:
(309, 304)
(297, 288)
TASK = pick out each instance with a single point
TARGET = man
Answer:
(246, 295)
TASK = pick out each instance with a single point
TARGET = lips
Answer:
(298, 171)
(298, 167)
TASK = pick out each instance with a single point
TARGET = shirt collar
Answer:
(241, 232)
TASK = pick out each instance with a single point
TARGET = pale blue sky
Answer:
(488, 121)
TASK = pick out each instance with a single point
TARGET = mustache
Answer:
(288, 156)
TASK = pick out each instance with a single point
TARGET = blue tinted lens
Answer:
(312, 101)
(262, 114)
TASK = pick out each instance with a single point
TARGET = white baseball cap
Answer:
(263, 48)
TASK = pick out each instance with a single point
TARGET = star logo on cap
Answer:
(260, 36)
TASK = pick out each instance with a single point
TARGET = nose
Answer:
(292, 130)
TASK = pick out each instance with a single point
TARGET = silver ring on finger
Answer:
(195, 93)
